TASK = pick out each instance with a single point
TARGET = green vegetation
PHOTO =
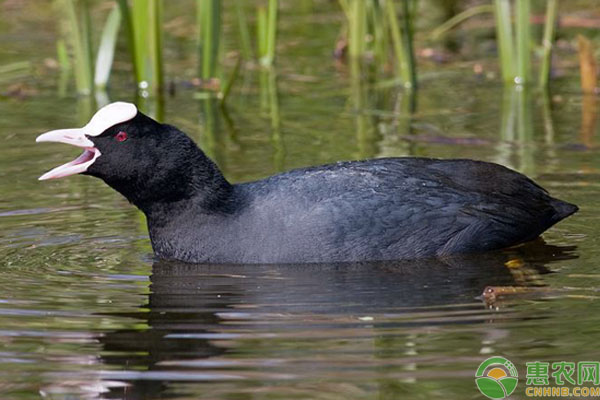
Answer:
(523, 39)
(9, 72)
(244, 31)
(146, 23)
(547, 40)
(143, 28)
(267, 33)
(106, 50)
(209, 29)
(515, 50)
(375, 28)
(79, 40)
(378, 33)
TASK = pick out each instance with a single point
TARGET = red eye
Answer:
(121, 136)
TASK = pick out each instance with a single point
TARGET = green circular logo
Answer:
(496, 378)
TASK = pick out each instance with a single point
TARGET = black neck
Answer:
(202, 187)
(182, 176)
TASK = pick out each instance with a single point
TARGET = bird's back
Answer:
(393, 208)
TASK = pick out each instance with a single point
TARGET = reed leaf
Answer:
(230, 81)
(244, 31)
(261, 31)
(523, 37)
(402, 45)
(409, 11)
(210, 28)
(271, 32)
(345, 7)
(146, 23)
(139, 18)
(504, 36)
(379, 27)
(266, 25)
(460, 18)
(356, 28)
(79, 41)
(128, 25)
(155, 44)
(62, 55)
(106, 50)
(548, 39)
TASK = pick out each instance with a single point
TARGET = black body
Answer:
(382, 209)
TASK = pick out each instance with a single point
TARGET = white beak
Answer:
(75, 137)
(104, 118)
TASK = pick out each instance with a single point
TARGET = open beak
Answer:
(75, 137)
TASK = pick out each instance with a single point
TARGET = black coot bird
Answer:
(382, 209)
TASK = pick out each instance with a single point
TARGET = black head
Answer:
(147, 162)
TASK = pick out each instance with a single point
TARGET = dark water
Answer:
(85, 311)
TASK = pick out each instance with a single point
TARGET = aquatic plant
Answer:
(142, 20)
(515, 50)
(209, 36)
(78, 35)
(403, 41)
(375, 27)
(378, 32)
(244, 31)
(514, 39)
(547, 40)
(266, 26)
(146, 17)
(106, 50)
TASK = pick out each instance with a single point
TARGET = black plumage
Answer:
(381, 209)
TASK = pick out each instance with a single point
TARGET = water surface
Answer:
(86, 312)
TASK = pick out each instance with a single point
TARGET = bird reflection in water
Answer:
(231, 328)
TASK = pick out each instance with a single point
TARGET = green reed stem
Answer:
(62, 55)
(139, 13)
(548, 39)
(460, 18)
(230, 81)
(156, 42)
(345, 7)
(409, 11)
(397, 41)
(523, 36)
(356, 28)
(128, 24)
(79, 26)
(140, 30)
(146, 22)
(504, 37)
(86, 33)
(245, 42)
(402, 42)
(106, 50)
(261, 31)
(271, 32)
(378, 24)
(267, 33)
(210, 28)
